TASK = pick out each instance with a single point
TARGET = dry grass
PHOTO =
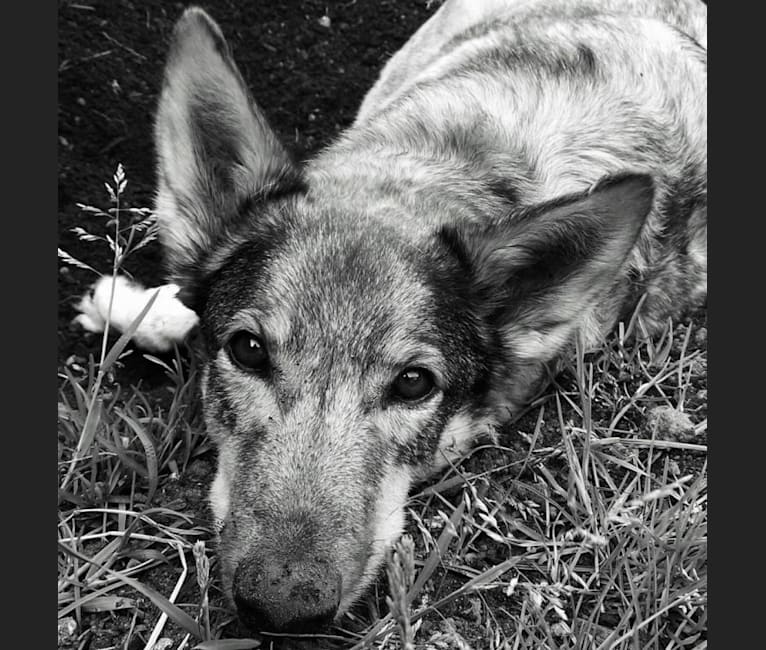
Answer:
(586, 529)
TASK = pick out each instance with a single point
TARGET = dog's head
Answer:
(347, 356)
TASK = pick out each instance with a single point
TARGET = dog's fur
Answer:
(522, 173)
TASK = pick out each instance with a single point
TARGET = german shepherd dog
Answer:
(524, 172)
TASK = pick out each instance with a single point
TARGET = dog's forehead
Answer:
(350, 285)
(334, 284)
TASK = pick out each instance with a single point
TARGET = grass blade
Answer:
(173, 612)
(150, 450)
(228, 644)
(123, 341)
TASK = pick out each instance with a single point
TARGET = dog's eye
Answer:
(413, 384)
(248, 351)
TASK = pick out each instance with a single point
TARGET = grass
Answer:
(583, 526)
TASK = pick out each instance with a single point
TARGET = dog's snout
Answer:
(286, 596)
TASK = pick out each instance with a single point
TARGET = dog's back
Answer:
(520, 22)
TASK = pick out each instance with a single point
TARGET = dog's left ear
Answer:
(215, 148)
(539, 274)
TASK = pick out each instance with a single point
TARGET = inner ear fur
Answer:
(215, 149)
(539, 273)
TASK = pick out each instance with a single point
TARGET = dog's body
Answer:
(521, 174)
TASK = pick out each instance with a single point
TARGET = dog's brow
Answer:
(246, 320)
(416, 354)
(274, 327)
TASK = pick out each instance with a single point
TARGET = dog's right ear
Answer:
(215, 149)
(539, 276)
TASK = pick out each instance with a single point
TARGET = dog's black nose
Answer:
(274, 596)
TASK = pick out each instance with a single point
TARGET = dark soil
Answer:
(308, 78)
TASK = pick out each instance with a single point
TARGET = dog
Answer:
(522, 174)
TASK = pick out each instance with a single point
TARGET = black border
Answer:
(29, 297)
(735, 247)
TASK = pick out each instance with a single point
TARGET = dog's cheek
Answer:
(214, 407)
(389, 512)
(219, 499)
(219, 412)
(236, 403)
(220, 490)
(386, 525)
